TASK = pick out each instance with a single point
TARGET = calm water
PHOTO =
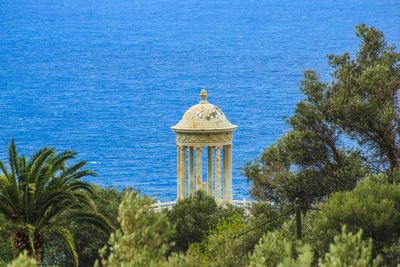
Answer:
(109, 78)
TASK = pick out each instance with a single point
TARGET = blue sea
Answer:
(109, 78)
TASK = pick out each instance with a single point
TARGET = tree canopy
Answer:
(359, 104)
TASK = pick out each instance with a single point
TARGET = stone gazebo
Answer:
(204, 125)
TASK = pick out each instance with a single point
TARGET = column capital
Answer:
(218, 147)
(198, 147)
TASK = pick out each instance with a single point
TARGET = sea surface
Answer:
(109, 78)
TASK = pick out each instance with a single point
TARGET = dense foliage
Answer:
(350, 250)
(143, 238)
(361, 103)
(193, 216)
(373, 206)
(350, 197)
(274, 250)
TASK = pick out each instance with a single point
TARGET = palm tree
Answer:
(41, 195)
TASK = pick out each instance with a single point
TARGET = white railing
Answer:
(243, 203)
(168, 205)
(163, 205)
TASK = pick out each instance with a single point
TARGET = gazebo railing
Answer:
(243, 203)
(168, 205)
(163, 205)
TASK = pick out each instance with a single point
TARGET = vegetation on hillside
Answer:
(350, 196)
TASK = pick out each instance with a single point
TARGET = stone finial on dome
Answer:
(204, 118)
(203, 96)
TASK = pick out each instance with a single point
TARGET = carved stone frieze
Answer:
(206, 139)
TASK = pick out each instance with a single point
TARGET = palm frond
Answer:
(10, 194)
(12, 157)
(56, 213)
(58, 161)
(5, 200)
(3, 180)
(21, 168)
(26, 208)
(71, 172)
(36, 155)
(3, 169)
(45, 175)
(80, 174)
(74, 201)
(84, 200)
(66, 235)
(53, 198)
(39, 163)
(13, 248)
(93, 218)
(79, 185)
(59, 201)
(72, 169)
(6, 208)
(30, 236)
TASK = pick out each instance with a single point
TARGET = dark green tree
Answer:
(308, 162)
(193, 216)
(363, 97)
(372, 206)
(311, 160)
(41, 195)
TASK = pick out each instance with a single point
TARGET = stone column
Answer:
(199, 169)
(210, 176)
(224, 173)
(227, 183)
(178, 174)
(229, 186)
(218, 174)
(191, 170)
(183, 192)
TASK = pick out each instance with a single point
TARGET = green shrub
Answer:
(275, 250)
(350, 250)
(143, 238)
(193, 216)
(310, 235)
(186, 259)
(303, 259)
(223, 247)
(373, 206)
(263, 218)
(23, 261)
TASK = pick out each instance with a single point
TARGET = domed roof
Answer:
(204, 117)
